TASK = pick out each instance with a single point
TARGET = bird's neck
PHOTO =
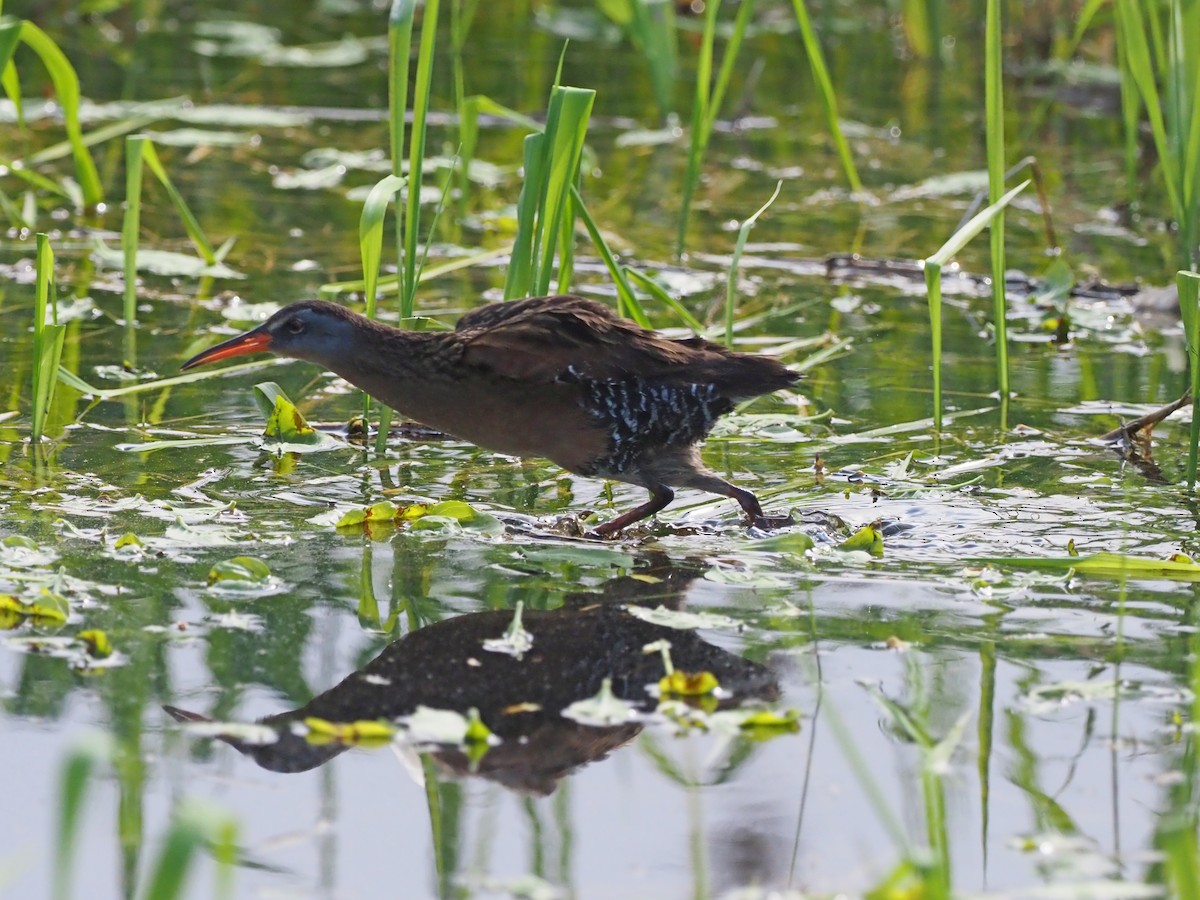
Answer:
(393, 364)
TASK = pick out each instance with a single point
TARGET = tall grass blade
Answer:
(564, 149)
(10, 36)
(706, 106)
(400, 29)
(652, 287)
(1188, 285)
(197, 827)
(544, 215)
(140, 155)
(416, 156)
(816, 62)
(73, 782)
(933, 284)
(994, 89)
(627, 301)
(698, 139)
(1139, 58)
(731, 283)
(47, 338)
(519, 280)
(66, 87)
(149, 158)
(652, 28)
(370, 245)
(370, 235)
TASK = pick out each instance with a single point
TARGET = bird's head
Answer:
(314, 330)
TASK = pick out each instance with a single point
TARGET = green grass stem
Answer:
(47, 338)
(994, 90)
(707, 100)
(651, 27)
(820, 72)
(933, 283)
(627, 301)
(1188, 285)
(139, 156)
(73, 781)
(1148, 57)
(197, 827)
(416, 157)
(738, 248)
(66, 87)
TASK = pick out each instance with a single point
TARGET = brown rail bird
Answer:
(557, 377)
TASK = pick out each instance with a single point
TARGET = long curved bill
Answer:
(256, 341)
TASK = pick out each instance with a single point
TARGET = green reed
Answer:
(994, 107)
(933, 283)
(47, 338)
(1151, 55)
(400, 34)
(706, 102)
(1188, 286)
(820, 72)
(738, 248)
(66, 87)
(140, 155)
(652, 31)
(545, 208)
(196, 828)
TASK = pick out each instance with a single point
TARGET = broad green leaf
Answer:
(241, 569)
(868, 539)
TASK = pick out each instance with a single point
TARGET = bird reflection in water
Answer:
(443, 666)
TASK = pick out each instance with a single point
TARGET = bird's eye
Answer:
(295, 326)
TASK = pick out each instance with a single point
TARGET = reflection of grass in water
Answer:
(196, 826)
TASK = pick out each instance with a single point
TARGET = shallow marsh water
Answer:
(1070, 694)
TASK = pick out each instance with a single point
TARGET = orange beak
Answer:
(256, 341)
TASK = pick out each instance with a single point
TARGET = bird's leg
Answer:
(660, 496)
(707, 481)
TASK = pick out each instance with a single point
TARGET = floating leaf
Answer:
(687, 684)
(163, 262)
(516, 641)
(286, 424)
(603, 710)
(1108, 565)
(50, 608)
(128, 539)
(684, 621)
(756, 724)
(796, 543)
(241, 569)
(97, 643)
(243, 732)
(436, 726)
(868, 539)
(376, 513)
(363, 733)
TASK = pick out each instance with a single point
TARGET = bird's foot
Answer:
(771, 523)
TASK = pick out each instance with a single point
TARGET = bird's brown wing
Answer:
(538, 340)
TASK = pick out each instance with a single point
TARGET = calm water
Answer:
(1061, 701)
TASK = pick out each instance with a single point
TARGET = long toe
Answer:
(770, 523)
